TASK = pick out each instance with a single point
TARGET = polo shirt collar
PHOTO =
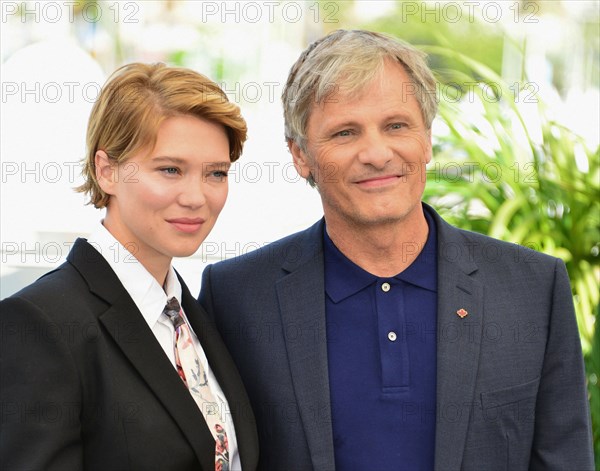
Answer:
(343, 278)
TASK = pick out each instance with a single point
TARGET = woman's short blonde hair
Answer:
(352, 58)
(133, 103)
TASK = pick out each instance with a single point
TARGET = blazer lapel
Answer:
(225, 371)
(459, 341)
(132, 335)
(302, 302)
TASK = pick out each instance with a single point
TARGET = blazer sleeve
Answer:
(562, 437)
(205, 296)
(40, 392)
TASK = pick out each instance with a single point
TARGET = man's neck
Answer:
(383, 250)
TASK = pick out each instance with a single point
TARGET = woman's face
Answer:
(164, 202)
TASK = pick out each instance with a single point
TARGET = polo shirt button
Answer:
(385, 287)
(392, 336)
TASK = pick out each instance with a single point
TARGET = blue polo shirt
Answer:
(381, 342)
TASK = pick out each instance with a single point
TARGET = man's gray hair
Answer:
(351, 57)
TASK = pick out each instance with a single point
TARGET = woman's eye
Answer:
(170, 170)
(218, 174)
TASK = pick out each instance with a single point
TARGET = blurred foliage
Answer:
(528, 181)
(418, 24)
(461, 26)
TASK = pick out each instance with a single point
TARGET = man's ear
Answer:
(106, 172)
(301, 159)
(428, 147)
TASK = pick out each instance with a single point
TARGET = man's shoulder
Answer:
(460, 245)
(494, 255)
(490, 247)
(293, 248)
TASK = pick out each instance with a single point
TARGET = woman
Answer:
(108, 362)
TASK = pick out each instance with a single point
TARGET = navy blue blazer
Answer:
(511, 389)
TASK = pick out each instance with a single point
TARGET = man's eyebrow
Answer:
(339, 124)
(399, 115)
(352, 123)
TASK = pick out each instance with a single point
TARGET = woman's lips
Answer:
(187, 225)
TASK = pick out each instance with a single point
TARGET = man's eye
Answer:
(344, 133)
(398, 125)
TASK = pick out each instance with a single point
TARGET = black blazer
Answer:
(85, 384)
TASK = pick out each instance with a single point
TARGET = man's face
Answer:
(367, 152)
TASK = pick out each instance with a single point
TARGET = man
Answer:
(381, 337)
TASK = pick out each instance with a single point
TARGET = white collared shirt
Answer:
(150, 299)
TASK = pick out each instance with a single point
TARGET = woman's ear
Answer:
(106, 172)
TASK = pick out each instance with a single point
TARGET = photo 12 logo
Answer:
(255, 12)
(53, 12)
(453, 12)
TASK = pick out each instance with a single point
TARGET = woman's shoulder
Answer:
(59, 290)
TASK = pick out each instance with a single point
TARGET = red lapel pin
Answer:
(461, 313)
